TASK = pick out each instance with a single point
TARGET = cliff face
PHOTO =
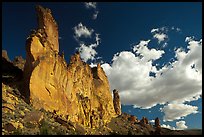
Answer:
(75, 91)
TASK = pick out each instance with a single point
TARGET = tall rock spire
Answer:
(75, 90)
(49, 25)
(116, 102)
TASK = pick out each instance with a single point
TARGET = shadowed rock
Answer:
(5, 55)
(133, 119)
(157, 126)
(116, 102)
(19, 62)
(144, 121)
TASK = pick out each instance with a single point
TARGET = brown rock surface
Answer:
(19, 62)
(116, 102)
(157, 126)
(157, 122)
(5, 55)
(144, 121)
(133, 119)
(75, 91)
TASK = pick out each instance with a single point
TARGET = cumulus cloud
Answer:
(152, 121)
(177, 111)
(92, 5)
(179, 82)
(82, 31)
(160, 37)
(154, 30)
(89, 5)
(181, 125)
(144, 51)
(88, 52)
(168, 126)
(161, 33)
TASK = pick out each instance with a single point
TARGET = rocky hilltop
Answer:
(44, 95)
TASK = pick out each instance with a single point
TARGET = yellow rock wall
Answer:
(74, 91)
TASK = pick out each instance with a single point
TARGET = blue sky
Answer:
(130, 40)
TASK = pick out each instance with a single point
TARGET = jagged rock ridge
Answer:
(75, 91)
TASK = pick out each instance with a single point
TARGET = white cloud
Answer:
(152, 121)
(177, 111)
(176, 83)
(88, 52)
(90, 5)
(82, 31)
(93, 65)
(181, 125)
(144, 51)
(168, 126)
(161, 33)
(154, 30)
(160, 37)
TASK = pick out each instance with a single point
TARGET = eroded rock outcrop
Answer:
(11, 74)
(5, 55)
(144, 121)
(116, 102)
(157, 122)
(19, 62)
(75, 91)
(133, 119)
(157, 126)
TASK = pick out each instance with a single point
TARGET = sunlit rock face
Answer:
(75, 91)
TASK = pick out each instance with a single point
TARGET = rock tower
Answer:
(75, 91)
(116, 102)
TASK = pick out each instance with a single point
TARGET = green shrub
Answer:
(44, 128)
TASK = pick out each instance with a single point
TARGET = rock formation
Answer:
(75, 91)
(157, 126)
(116, 102)
(144, 121)
(11, 74)
(19, 62)
(157, 122)
(133, 119)
(5, 55)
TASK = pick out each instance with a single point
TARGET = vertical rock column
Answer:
(157, 126)
(116, 102)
